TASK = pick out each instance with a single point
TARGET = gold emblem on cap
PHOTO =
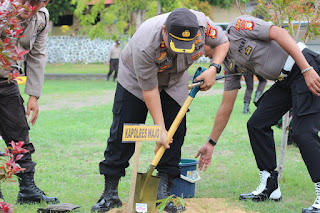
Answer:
(186, 33)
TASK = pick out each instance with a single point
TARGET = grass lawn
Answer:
(95, 68)
(70, 144)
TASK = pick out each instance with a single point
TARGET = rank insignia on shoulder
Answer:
(40, 28)
(198, 41)
(162, 45)
(211, 32)
(197, 56)
(248, 50)
(244, 25)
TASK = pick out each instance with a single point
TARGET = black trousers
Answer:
(249, 82)
(13, 122)
(129, 109)
(293, 93)
(114, 66)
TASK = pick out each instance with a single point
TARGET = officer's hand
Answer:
(164, 141)
(313, 81)
(107, 63)
(32, 106)
(205, 153)
(209, 78)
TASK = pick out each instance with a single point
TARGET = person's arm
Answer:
(282, 37)
(209, 76)
(220, 122)
(109, 56)
(153, 103)
(36, 61)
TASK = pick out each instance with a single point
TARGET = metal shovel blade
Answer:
(146, 190)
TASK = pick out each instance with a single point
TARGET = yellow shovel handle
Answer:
(173, 129)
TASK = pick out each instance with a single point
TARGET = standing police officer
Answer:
(153, 77)
(13, 123)
(261, 48)
(113, 60)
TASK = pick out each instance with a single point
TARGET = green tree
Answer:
(58, 8)
(292, 14)
(125, 16)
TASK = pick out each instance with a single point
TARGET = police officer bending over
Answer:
(13, 123)
(261, 48)
(153, 77)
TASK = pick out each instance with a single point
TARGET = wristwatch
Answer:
(212, 142)
(218, 66)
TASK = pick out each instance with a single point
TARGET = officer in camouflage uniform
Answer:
(153, 77)
(13, 123)
(261, 48)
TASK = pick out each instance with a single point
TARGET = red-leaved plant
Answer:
(10, 32)
(8, 168)
(10, 55)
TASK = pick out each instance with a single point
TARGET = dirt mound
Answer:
(199, 205)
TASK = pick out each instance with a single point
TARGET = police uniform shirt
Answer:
(35, 31)
(252, 51)
(145, 62)
(114, 53)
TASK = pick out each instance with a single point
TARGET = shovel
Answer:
(147, 185)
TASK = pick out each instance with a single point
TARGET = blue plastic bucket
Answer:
(186, 184)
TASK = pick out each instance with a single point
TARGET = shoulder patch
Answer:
(244, 25)
(211, 32)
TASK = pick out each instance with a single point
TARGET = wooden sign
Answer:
(135, 133)
(141, 132)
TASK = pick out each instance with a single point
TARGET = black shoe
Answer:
(267, 190)
(165, 184)
(109, 198)
(246, 108)
(315, 208)
(30, 193)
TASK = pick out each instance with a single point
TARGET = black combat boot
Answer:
(109, 198)
(165, 184)
(257, 96)
(246, 108)
(315, 208)
(268, 188)
(30, 193)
